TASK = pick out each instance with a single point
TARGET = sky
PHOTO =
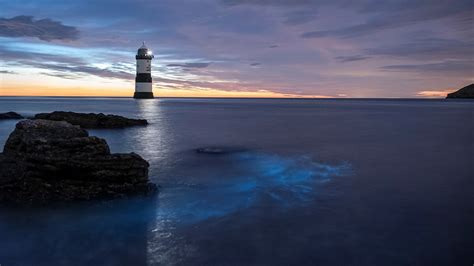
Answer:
(238, 48)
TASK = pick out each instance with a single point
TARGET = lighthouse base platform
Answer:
(143, 95)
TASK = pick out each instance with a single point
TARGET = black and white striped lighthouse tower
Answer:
(143, 82)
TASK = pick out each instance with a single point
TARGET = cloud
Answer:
(86, 69)
(74, 69)
(65, 66)
(459, 67)
(13, 56)
(350, 32)
(296, 12)
(390, 15)
(273, 46)
(255, 64)
(43, 29)
(434, 93)
(7, 72)
(60, 75)
(426, 48)
(269, 2)
(351, 58)
(299, 17)
(190, 65)
(451, 54)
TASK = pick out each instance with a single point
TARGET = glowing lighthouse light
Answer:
(143, 81)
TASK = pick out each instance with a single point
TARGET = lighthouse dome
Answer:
(144, 53)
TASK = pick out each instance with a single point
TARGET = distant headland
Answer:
(465, 92)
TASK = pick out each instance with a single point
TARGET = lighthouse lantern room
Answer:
(143, 81)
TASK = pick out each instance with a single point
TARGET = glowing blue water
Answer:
(287, 181)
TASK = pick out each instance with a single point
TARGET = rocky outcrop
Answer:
(46, 161)
(466, 92)
(10, 115)
(92, 120)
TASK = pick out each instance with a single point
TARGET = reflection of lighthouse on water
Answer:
(143, 81)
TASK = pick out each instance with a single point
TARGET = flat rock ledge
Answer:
(92, 120)
(10, 115)
(52, 161)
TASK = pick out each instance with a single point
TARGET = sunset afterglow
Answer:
(223, 48)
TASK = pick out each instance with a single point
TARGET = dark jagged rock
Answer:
(46, 161)
(10, 115)
(92, 120)
(466, 92)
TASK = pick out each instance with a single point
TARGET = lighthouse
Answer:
(143, 82)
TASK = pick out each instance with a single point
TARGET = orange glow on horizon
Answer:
(128, 92)
(127, 89)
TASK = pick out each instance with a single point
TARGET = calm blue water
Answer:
(314, 182)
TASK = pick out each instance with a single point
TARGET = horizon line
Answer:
(207, 97)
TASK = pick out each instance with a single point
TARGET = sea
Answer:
(298, 182)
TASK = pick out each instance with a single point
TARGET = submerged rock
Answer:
(218, 150)
(211, 150)
(92, 120)
(466, 92)
(10, 115)
(47, 161)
